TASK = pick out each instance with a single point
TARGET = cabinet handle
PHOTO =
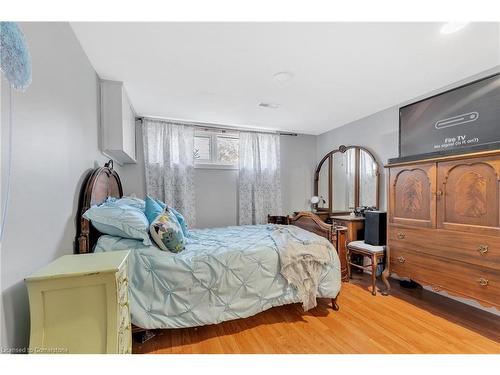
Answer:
(439, 192)
(482, 281)
(401, 259)
(401, 236)
(483, 249)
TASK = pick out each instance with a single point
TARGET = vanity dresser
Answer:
(444, 224)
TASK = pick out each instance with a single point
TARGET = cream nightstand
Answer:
(79, 304)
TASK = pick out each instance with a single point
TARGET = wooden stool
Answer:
(375, 253)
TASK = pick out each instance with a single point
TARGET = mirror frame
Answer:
(342, 149)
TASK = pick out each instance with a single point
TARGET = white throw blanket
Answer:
(303, 256)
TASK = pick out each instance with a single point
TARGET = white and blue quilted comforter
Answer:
(223, 274)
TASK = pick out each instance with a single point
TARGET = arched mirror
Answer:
(347, 178)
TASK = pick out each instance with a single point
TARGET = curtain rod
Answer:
(210, 126)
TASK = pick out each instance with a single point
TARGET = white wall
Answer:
(55, 142)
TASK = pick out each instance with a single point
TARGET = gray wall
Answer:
(55, 141)
(298, 163)
(216, 197)
(378, 132)
(217, 190)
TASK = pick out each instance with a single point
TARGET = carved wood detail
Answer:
(412, 194)
(471, 187)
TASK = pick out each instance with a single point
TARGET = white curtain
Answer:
(259, 187)
(169, 164)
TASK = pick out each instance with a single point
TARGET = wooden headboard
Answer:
(312, 223)
(100, 184)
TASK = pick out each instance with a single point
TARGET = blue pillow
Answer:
(178, 215)
(125, 201)
(162, 204)
(181, 220)
(152, 209)
(125, 221)
(167, 233)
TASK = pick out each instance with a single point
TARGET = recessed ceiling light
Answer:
(282, 76)
(269, 105)
(453, 27)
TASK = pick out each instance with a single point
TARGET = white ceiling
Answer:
(220, 72)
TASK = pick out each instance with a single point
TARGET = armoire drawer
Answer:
(476, 249)
(468, 280)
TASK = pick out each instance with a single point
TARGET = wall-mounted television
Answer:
(461, 120)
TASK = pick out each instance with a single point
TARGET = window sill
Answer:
(215, 166)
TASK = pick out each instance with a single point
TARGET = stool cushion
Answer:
(362, 245)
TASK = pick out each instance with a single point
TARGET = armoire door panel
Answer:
(470, 196)
(411, 195)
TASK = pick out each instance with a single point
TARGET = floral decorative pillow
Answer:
(167, 232)
(177, 214)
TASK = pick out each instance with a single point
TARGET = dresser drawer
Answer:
(465, 247)
(464, 279)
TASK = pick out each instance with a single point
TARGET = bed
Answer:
(223, 274)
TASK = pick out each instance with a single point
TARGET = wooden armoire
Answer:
(444, 224)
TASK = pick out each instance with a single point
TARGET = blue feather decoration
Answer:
(15, 60)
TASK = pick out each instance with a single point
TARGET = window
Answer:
(215, 149)
(202, 149)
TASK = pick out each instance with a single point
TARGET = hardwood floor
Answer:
(407, 321)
